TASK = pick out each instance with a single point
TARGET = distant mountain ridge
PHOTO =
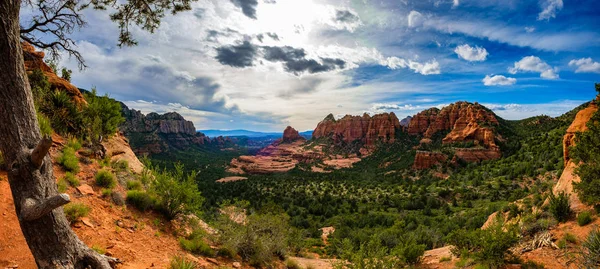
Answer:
(248, 133)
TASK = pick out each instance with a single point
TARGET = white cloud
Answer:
(549, 9)
(471, 54)
(455, 3)
(429, 68)
(535, 64)
(498, 80)
(530, 29)
(585, 65)
(522, 111)
(415, 19)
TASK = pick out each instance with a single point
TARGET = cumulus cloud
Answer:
(471, 54)
(585, 65)
(415, 19)
(455, 3)
(248, 7)
(498, 80)
(535, 64)
(530, 29)
(549, 9)
(344, 19)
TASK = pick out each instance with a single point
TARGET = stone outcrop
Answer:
(366, 129)
(464, 122)
(568, 177)
(427, 159)
(290, 135)
(155, 133)
(405, 122)
(35, 60)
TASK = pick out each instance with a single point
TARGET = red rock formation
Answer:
(367, 129)
(35, 60)
(427, 159)
(464, 122)
(568, 177)
(290, 135)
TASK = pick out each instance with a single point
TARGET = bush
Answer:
(411, 252)
(291, 264)
(74, 211)
(571, 238)
(177, 193)
(71, 179)
(102, 116)
(74, 144)
(120, 165)
(181, 263)
(489, 247)
(262, 238)
(68, 160)
(590, 253)
(62, 185)
(140, 200)
(584, 218)
(195, 244)
(44, 124)
(560, 207)
(105, 179)
(134, 185)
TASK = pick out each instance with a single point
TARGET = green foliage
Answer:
(99, 249)
(291, 264)
(590, 252)
(411, 252)
(531, 265)
(584, 218)
(488, 247)
(107, 192)
(141, 200)
(74, 144)
(62, 185)
(68, 160)
(71, 179)
(66, 74)
(44, 124)
(560, 206)
(370, 255)
(571, 238)
(263, 237)
(105, 179)
(195, 243)
(134, 185)
(181, 262)
(102, 116)
(120, 165)
(586, 153)
(176, 192)
(75, 211)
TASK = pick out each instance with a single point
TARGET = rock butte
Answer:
(366, 129)
(290, 135)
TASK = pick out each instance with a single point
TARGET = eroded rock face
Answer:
(155, 133)
(464, 122)
(568, 177)
(366, 129)
(427, 159)
(35, 60)
(290, 135)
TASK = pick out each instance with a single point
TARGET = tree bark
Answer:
(36, 198)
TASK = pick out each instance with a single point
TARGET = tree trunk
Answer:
(36, 198)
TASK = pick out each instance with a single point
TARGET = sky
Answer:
(265, 64)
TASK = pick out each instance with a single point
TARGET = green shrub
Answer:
(74, 211)
(560, 207)
(71, 179)
(195, 244)
(102, 115)
(445, 259)
(140, 200)
(68, 160)
(105, 179)
(571, 238)
(562, 244)
(590, 253)
(63, 113)
(134, 185)
(120, 165)
(44, 124)
(226, 252)
(181, 263)
(584, 218)
(62, 185)
(176, 193)
(488, 247)
(531, 265)
(106, 192)
(74, 144)
(99, 249)
(411, 252)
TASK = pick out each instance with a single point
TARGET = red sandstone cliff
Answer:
(426, 159)
(367, 129)
(35, 60)
(568, 177)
